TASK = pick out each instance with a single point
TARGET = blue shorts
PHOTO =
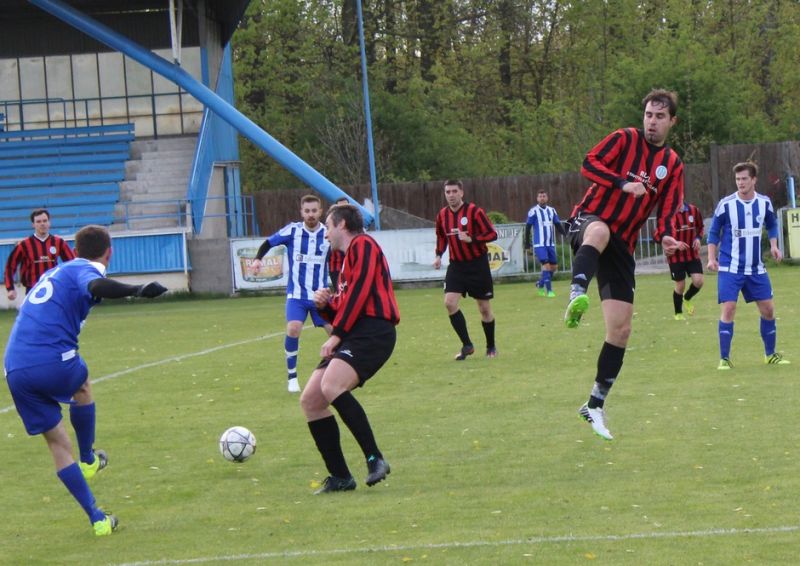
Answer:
(38, 391)
(753, 287)
(546, 254)
(299, 309)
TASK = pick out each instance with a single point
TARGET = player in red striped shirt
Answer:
(687, 228)
(364, 314)
(632, 172)
(464, 228)
(35, 254)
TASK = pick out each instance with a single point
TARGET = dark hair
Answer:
(749, 165)
(542, 191)
(353, 221)
(456, 182)
(92, 241)
(310, 198)
(39, 211)
(342, 200)
(663, 97)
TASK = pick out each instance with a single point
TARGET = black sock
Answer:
(325, 433)
(459, 324)
(609, 363)
(677, 301)
(488, 330)
(584, 265)
(353, 415)
(691, 292)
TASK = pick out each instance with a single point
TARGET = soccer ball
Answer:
(237, 444)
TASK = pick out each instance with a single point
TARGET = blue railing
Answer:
(145, 110)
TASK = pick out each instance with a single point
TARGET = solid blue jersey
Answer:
(737, 229)
(308, 258)
(50, 319)
(543, 221)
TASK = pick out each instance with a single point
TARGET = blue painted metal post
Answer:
(242, 123)
(368, 118)
(791, 194)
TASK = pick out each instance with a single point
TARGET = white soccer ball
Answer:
(237, 444)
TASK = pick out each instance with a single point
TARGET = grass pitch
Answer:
(490, 463)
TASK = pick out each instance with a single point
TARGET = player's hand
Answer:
(696, 245)
(322, 297)
(713, 264)
(329, 347)
(464, 237)
(152, 290)
(636, 189)
(12, 294)
(776, 253)
(256, 265)
(670, 245)
(437, 263)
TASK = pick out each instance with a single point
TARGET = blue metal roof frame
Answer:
(28, 31)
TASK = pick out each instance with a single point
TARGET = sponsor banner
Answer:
(410, 254)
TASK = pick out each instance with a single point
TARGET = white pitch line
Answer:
(177, 358)
(473, 544)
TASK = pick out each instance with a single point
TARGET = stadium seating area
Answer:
(73, 172)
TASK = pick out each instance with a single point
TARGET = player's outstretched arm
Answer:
(104, 288)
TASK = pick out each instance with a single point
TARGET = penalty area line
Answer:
(171, 359)
(708, 533)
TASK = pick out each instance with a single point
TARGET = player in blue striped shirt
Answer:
(736, 231)
(307, 250)
(540, 231)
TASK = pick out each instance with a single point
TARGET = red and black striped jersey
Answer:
(469, 218)
(335, 260)
(687, 226)
(624, 156)
(33, 257)
(365, 287)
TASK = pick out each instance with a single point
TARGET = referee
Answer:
(465, 229)
(35, 254)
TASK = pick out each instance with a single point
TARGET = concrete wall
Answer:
(211, 266)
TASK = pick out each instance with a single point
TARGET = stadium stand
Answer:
(73, 172)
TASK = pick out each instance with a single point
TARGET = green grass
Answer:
(490, 463)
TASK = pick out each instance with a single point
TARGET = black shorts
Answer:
(679, 270)
(615, 267)
(473, 278)
(366, 347)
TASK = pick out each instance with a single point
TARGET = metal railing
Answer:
(154, 114)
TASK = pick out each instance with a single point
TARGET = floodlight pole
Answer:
(368, 118)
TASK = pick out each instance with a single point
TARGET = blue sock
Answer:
(291, 345)
(725, 339)
(82, 418)
(548, 280)
(72, 478)
(769, 334)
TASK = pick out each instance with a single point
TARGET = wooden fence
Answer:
(706, 183)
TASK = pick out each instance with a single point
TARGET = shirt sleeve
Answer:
(441, 237)
(596, 164)
(483, 227)
(11, 266)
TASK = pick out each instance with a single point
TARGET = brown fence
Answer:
(706, 183)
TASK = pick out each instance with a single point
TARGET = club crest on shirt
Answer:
(53, 250)
(661, 172)
(464, 221)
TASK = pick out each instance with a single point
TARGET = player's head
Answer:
(745, 174)
(311, 210)
(93, 242)
(660, 107)
(40, 219)
(542, 197)
(454, 193)
(343, 220)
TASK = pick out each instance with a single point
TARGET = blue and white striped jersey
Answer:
(308, 258)
(542, 221)
(737, 229)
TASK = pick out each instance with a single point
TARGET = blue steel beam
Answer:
(174, 73)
